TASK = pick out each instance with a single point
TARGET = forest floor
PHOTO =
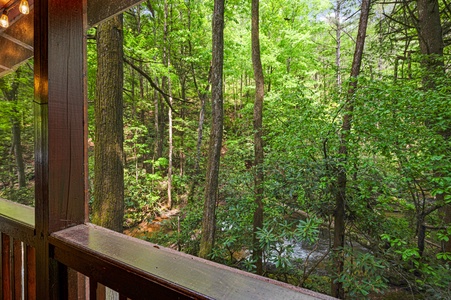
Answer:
(148, 227)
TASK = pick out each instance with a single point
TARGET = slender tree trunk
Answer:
(200, 131)
(340, 197)
(170, 155)
(421, 232)
(167, 62)
(338, 40)
(159, 124)
(18, 152)
(108, 205)
(214, 154)
(258, 132)
(158, 106)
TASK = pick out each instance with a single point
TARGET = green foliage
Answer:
(363, 274)
(23, 195)
(278, 238)
(398, 162)
(16, 110)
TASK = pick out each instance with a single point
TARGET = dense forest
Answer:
(306, 141)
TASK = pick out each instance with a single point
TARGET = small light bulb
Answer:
(4, 21)
(24, 7)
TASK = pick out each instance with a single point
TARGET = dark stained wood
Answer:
(6, 267)
(30, 273)
(142, 270)
(60, 126)
(12, 54)
(100, 10)
(92, 289)
(60, 108)
(17, 269)
(100, 291)
(76, 285)
(21, 31)
(16, 42)
(122, 297)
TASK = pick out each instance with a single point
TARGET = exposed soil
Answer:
(147, 228)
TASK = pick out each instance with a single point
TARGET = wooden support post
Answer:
(60, 128)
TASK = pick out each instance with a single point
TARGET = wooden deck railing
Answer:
(18, 257)
(134, 268)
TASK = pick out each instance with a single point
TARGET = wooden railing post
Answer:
(60, 127)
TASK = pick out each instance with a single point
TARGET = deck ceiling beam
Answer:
(16, 42)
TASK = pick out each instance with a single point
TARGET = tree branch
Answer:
(152, 84)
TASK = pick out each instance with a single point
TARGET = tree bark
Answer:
(159, 126)
(338, 41)
(18, 152)
(167, 63)
(211, 182)
(108, 204)
(431, 40)
(258, 139)
(340, 197)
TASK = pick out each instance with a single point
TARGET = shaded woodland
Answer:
(307, 141)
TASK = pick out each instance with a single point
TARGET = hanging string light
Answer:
(24, 8)
(4, 21)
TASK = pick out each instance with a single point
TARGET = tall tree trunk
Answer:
(214, 153)
(338, 41)
(18, 152)
(258, 132)
(170, 154)
(159, 124)
(431, 40)
(167, 62)
(200, 126)
(431, 44)
(158, 105)
(340, 197)
(108, 204)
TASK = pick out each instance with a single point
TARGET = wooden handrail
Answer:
(18, 259)
(138, 269)
(142, 270)
(17, 221)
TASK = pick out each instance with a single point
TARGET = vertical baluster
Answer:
(30, 273)
(6, 267)
(17, 270)
(92, 289)
(76, 285)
